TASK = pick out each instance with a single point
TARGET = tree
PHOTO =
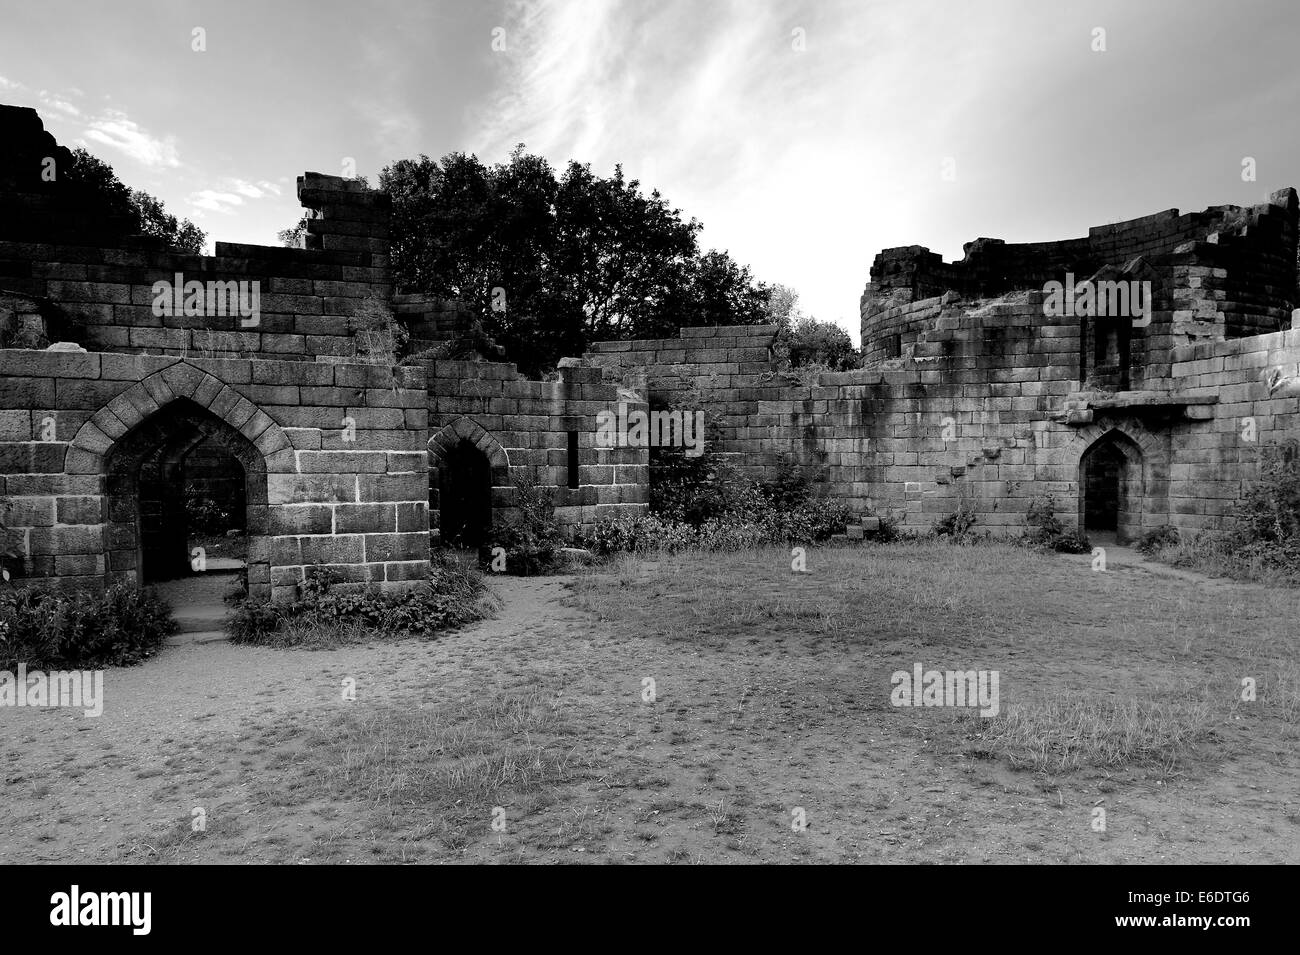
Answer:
(292, 238)
(783, 306)
(135, 210)
(820, 344)
(807, 341)
(555, 262)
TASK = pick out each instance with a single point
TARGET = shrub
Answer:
(956, 525)
(380, 336)
(324, 615)
(1041, 518)
(532, 538)
(11, 560)
(1046, 531)
(823, 346)
(889, 529)
(1269, 511)
(694, 489)
(205, 516)
(742, 514)
(45, 630)
(1154, 541)
(1264, 542)
(815, 520)
(610, 537)
(1072, 542)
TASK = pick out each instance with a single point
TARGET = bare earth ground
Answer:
(772, 696)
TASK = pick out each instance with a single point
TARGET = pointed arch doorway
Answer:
(465, 464)
(1110, 488)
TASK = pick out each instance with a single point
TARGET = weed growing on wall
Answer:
(380, 337)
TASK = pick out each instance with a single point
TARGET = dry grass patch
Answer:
(773, 693)
(1063, 736)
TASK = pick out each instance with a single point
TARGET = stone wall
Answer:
(103, 296)
(319, 492)
(524, 427)
(988, 403)
(990, 267)
(339, 457)
(972, 396)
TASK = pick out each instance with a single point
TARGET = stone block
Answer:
(80, 510)
(366, 518)
(297, 519)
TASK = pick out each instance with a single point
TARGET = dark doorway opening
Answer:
(186, 490)
(215, 505)
(573, 472)
(465, 496)
(1103, 489)
(1110, 478)
(192, 509)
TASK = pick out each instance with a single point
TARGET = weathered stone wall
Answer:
(989, 403)
(990, 266)
(524, 426)
(336, 452)
(353, 499)
(103, 296)
(971, 396)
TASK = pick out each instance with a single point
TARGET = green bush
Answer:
(1269, 511)
(1072, 542)
(729, 512)
(1045, 531)
(697, 489)
(889, 529)
(532, 538)
(1264, 541)
(823, 346)
(45, 630)
(203, 514)
(325, 615)
(956, 525)
(11, 560)
(1154, 541)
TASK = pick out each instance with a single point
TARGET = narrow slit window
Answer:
(573, 459)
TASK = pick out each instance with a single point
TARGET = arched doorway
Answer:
(176, 483)
(466, 464)
(464, 495)
(1110, 488)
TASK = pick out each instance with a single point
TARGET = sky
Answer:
(805, 136)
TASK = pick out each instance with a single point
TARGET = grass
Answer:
(1064, 736)
(1047, 624)
(1216, 555)
(773, 692)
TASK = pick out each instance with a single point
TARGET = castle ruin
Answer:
(978, 390)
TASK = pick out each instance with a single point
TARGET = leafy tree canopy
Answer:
(554, 261)
(140, 212)
(809, 343)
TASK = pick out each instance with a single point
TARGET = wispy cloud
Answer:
(762, 119)
(115, 129)
(230, 194)
(56, 102)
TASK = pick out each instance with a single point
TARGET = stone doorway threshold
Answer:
(197, 603)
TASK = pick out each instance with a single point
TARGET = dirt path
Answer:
(74, 787)
(1123, 559)
(739, 740)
